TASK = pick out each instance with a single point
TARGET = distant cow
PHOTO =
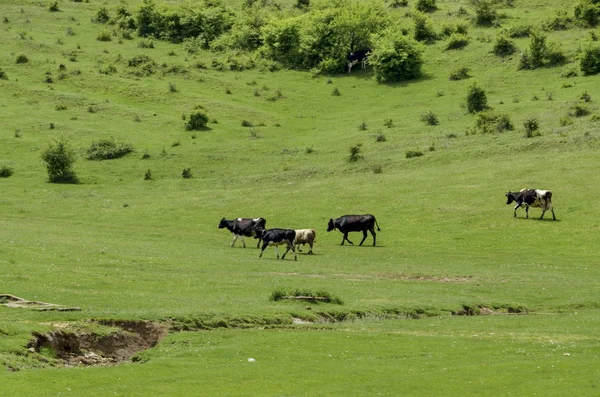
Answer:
(240, 227)
(354, 223)
(359, 56)
(278, 237)
(305, 236)
(531, 198)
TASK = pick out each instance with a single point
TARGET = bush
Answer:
(5, 171)
(146, 44)
(53, 7)
(476, 99)
(426, 5)
(148, 175)
(560, 21)
(413, 153)
(395, 57)
(59, 159)
(102, 15)
(362, 126)
(587, 12)
(335, 92)
(187, 173)
(579, 110)
(246, 123)
(389, 123)
(488, 122)
(108, 149)
(22, 59)
(3, 75)
(456, 41)
(104, 36)
(197, 121)
(519, 31)
(585, 97)
(504, 47)
(590, 59)
(423, 30)
(355, 153)
(429, 118)
(485, 13)
(380, 137)
(532, 127)
(459, 73)
(541, 54)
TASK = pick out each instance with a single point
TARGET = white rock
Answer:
(251, 360)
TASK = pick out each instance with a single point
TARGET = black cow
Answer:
(240, 227)
(354, 223)
(531, 198)
(355, 57)
(278, 237)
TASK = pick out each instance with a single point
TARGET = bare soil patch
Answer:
(13, 301)
(82, 348)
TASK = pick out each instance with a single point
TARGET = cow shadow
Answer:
(538, 219)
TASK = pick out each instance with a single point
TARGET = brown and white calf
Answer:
(305, 236)
(531, 198)
(278, 237)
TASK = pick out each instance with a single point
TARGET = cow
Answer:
(355, 57)
(278, 237)
(305, 236)
(354, 223)
(531, 198)
(240, 227)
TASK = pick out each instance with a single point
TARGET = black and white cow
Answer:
(359, 56)
(278, 237)
(354, 223)
(531, 198)
(240, 227)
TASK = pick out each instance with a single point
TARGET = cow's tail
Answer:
(378, 229)
(548, 196)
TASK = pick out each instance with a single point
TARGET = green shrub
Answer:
(197, 121)
(335, 92)
(476, 99)
(5, 171)
(459, 73)
(395, 57)
(587, 12)
(108, 149)
(362, 126)
(355, 153)
(585, 97)
(187, 173)
(423, 29)
(377, 168)
(102, 15)
(579, 110)
(246, 123)
(148, 175)
(389, 123)
(53, 7)
(504, 47)
(519, 31)
(146, 43)
(589, 61)
(398, 3)
(22, 59)
(560, 21)
(413, 153)
(485, 13)
(429, 118)
(532, 127)
(3, 75)
(456, 41)
(488, 122)
(426, 5)
(104, 36)
(59, 159)
(380, 137)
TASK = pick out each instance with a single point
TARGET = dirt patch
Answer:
(9, 300)
(89, 348)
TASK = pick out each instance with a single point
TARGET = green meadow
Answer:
(458, 297)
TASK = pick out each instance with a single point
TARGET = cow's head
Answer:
(330, 225)
(509, 197)
(223, 223)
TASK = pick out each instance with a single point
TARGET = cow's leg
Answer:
(258, 245)
(553, 216)
(288, 246)
(346, 239)
(310, 250)
(265, 245)
(243, 241)
(372, 230)
(233, 241)
(527, 212)
(364, 237)
(516, 207)
(297, 246)
(277, 251)
(543, 212)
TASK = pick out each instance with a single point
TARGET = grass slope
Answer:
(121, 247)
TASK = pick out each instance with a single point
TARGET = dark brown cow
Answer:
(354, 223)
(531, 198)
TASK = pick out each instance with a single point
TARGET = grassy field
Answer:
(124, 248)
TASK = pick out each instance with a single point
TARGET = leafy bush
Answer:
(579, 110)
(429, 118)
(380, 137)
(246, 123)
(335, 92)
(587, 12)
(488, 122)
(541, 54)
(197, 121)
(102, 15)
(3, 75)
(389, 123)
(413, 153)
(5, 171)
(426, 5)
(377, 168)
(355, 153)
(59, 159)
(519, 31)
(362, 126)
(476, 99)
(187, 173)
(108, 149)
(53, 6)
(148, 175)
(395, 57)
(146, 44)
(22, 59)
(459, 73)
(104, 36)
(423, 29)
(485, 13)
(504, 47)
(589, 61)
(585, 97)
(456, 41)
(532, 127)
(560, 21)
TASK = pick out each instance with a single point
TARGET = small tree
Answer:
(395, 57)
(476, 99)
(355, 153)
(426, 5)
(485, 13)
(590, 59)
(504, 47)
(532, 127)
(59, 158)
(197, 121)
